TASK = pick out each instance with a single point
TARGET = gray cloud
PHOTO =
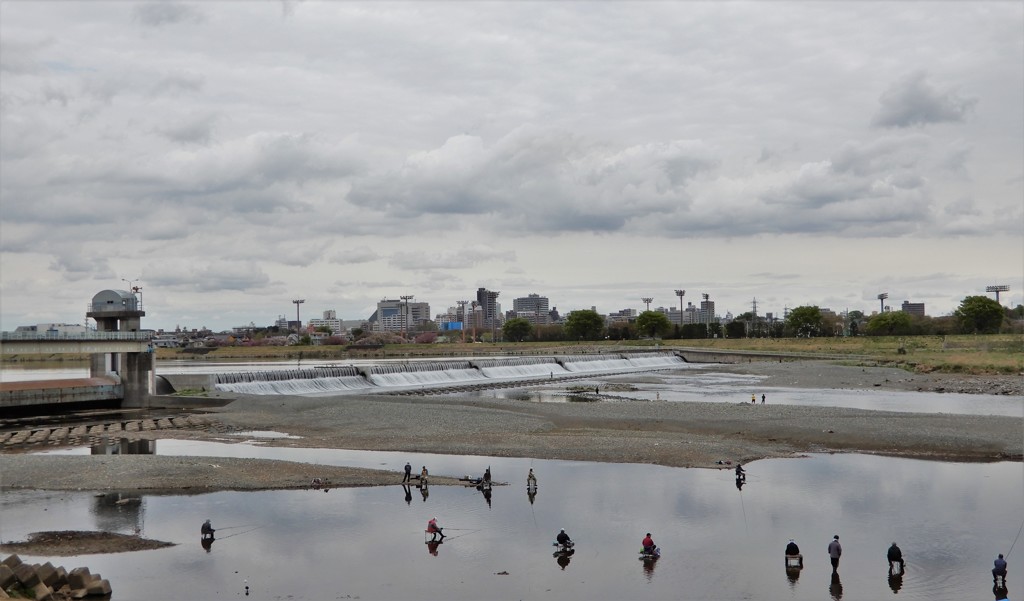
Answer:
(449, 259)
(355, 256)
(912, 100)
(176, 84)
(158, 14)
(197, 130)
(213, 276)
(536, 179)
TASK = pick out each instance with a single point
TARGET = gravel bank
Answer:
(674, 434)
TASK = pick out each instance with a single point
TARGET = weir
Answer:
(437, 374)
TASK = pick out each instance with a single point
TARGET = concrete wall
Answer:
(12, 399)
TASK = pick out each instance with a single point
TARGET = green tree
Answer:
(584, 324)
(695, 331)
(653, 324)
(804, 322)
(736, 329)
(622, 330)
(517, 329)
(979, 315)
(892, 323)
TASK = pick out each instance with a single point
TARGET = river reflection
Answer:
(718, 542)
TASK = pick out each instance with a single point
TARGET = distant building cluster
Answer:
(466, 318)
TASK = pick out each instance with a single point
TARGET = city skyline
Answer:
(230, 157)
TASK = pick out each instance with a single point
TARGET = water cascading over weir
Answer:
(384, 377)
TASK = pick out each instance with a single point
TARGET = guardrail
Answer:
(85, 336)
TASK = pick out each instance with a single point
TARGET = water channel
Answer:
(719, 542)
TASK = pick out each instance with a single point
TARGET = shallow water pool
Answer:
(719, 542)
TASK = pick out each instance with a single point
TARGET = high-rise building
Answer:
(532, 307)
(490, 310)
(396, 315)
(707, 311)
(913, 308)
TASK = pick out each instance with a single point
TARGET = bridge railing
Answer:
(84, 336)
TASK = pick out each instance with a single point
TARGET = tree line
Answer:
(975, 315)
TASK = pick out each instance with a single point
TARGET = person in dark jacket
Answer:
(207, 530)
(408, 473)
(999, 569)
(792, 548)
(894, 555)
(563, 539)
(835, 551)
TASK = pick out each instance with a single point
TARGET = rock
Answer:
(26, 575)
(79, 578)
(6, 576)
(98, 587)
(41, 592)
(11, 561)
(47, 574)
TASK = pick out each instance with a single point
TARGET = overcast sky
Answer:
(230, 157)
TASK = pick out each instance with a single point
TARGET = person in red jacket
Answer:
(648, 543)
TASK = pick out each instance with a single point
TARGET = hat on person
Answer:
(563, 530)
(836, 537)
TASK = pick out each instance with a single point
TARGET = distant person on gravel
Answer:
(408, 472)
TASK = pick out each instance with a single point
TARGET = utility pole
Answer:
(137, 290)
(405, 321)
(298, 322)
(462, 315)
(707, 313)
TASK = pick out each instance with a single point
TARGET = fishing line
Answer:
(233, 527)
(240, 533)
(451, 538)
(1015, 539)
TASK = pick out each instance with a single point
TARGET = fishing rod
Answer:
(1015, 539)
(233, 527)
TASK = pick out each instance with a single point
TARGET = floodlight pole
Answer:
(680, 294)
(405, 321)
(997, 289)
(881, 301)
(298, 321)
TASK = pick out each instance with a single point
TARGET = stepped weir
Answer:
(388, 377)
